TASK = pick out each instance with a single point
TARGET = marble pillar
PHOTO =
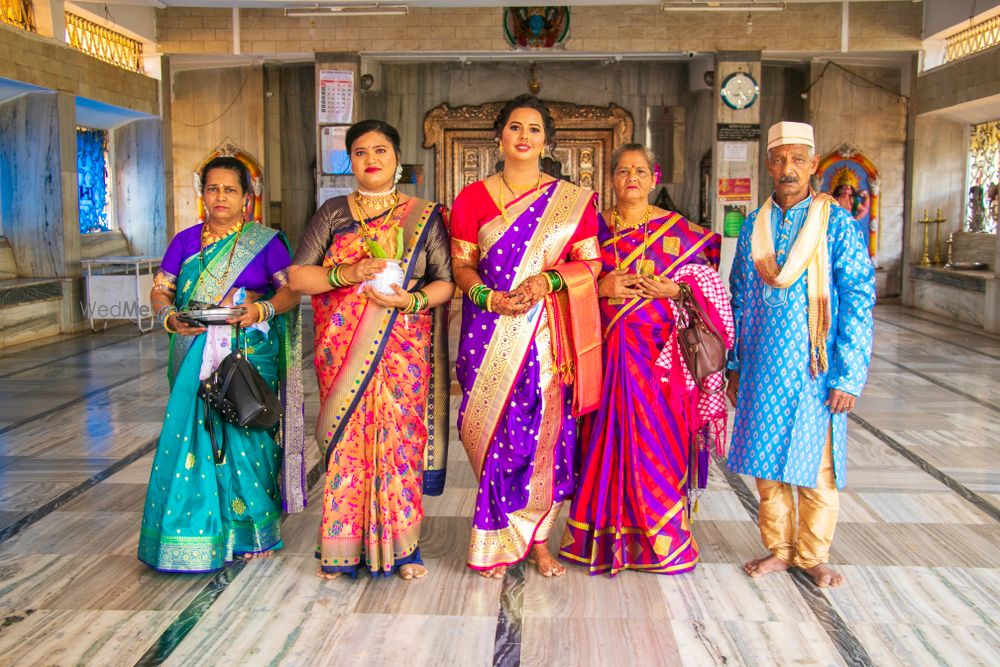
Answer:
(167, 136)
(40, 206)
(139, 186)
(735, 162)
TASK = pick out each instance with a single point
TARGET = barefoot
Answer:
(260, 554)
(545, 562)
(825, 576)
(494, 572)
(329, 576)
(766, 565)
(412, 571)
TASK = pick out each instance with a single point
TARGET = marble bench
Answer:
(30, 308)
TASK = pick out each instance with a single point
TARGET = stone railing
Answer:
(17, 13)
(103, 43)
(979, 37)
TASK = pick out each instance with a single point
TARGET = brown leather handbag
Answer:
(701, 344)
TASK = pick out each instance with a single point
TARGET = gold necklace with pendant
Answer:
(503, 207)
(644, 267)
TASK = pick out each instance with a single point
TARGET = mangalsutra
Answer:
(360, 200)
(643, 267)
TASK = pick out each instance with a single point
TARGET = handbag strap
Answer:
(694, 310)
(695, 316)
(217, 452)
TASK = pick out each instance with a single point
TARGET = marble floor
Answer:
(918, 540)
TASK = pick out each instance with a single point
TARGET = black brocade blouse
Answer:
(334, 218)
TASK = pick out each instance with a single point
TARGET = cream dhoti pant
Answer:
(817, 516)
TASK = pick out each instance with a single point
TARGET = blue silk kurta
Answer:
(781, 420)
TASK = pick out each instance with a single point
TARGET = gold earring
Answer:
(543, 152)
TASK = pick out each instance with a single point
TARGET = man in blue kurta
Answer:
(803, 291)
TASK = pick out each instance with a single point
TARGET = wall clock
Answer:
(739, 91)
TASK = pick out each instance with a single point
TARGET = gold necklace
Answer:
(378, 201)
(366, 231)
(503, 206)
(643, 267)
(219, 280)
(208, 238)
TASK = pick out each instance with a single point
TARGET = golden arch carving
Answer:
(462, 138)
(255, 209)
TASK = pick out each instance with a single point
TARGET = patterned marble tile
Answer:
(727, 541)
(918, 595)
(597, 642)
(103, 582)
(134, 473)
(449, 589)
(722, 592)
(241, 637)
(931, 545)
(74, 637)
(79, 533)
(716, 642)
(907, 645)
(577, 595)
(924, 508)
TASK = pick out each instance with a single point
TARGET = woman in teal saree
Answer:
(200, 514)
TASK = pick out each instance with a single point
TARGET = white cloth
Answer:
(217, 343)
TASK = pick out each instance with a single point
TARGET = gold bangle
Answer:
(489, 301)
(260, 311)
(166, 327)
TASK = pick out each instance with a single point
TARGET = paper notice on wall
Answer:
(333, 150)
(336, 96)
(734, 152)
(734, 188)
(329, 192)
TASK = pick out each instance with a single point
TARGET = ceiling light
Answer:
(376, 9)
(721, 6)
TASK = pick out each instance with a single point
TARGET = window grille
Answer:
(18, 13)
(976, 38)
(103, 43)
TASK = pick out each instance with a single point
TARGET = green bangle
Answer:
(479, 294)
(555, 281)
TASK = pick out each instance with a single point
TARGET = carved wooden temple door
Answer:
(465, 151)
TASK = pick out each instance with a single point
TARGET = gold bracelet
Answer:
(489, 301)
(166, 327)
(260, 311)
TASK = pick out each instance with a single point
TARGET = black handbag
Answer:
(237, 393)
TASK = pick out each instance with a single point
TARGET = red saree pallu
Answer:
(629, 511)
(518, 414)
(375, 372)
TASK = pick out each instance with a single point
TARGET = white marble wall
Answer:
(140, 190)
(963, 305)
(842, 108)
(39, 202)
(939, 161)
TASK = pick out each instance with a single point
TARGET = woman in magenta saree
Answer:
(631, 508)
(529, 324)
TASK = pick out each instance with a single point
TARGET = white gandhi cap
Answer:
(787, 132)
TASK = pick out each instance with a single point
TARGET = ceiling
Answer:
(278, 4)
